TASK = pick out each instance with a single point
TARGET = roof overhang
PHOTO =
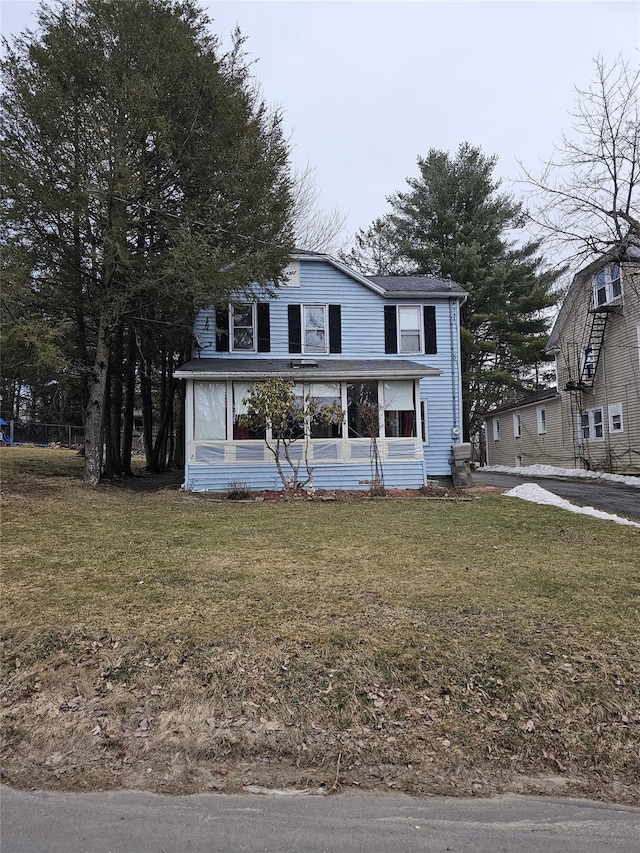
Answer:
(303, 368)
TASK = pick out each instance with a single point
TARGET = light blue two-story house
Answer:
(343, 338)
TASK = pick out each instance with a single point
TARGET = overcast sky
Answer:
(367, 86)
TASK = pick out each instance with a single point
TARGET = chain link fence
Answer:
(45, 435)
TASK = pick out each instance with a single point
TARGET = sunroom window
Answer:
(399, 409)
(362, 409)
(241, 430)
(325, 394)
(209, 410)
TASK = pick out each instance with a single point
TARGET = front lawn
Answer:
(156, 640)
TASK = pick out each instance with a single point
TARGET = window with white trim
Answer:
(517, 425)
(607, 285)
(410, 329)
(399, 409)
(615, 418)
(242, 332)
(314, 324)
(541, 417)
(591, 425)
(496, 429)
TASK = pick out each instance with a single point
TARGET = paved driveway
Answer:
(600, 494)
(135, 822)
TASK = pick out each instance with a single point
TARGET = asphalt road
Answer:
(600, 494)
(135, 822)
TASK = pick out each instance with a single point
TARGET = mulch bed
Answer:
(322, 495)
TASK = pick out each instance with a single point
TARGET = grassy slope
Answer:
(158, 640)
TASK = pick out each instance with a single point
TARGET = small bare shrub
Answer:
(237, 491)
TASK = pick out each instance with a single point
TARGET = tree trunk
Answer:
(94, 413)
(129, 403)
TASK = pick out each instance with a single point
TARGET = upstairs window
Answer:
(244, 327)
(410, 329)
(314, 318)
(314, 329)
(607, 285)
(242, 330)
(517, 425)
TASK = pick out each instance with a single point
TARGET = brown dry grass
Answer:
(159, 641)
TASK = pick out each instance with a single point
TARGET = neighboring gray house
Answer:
(592, 419)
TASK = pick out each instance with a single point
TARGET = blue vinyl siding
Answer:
(362, 319)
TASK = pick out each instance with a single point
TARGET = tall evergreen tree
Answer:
(454, 223)
(145, 178)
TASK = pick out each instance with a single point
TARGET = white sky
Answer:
(368, 86)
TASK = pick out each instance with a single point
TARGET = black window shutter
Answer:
(335, 329)
(264, 327)
(390, 329)
(430, 337)
(222, 329)
(295, 329)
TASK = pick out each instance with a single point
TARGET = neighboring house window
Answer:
(410, 329)
(496, 429)
(315, 329)
(638, 331)
(399, 409)
(591, 425)
(242, 331)
(615, 418)
(245, 327)
(607, 285)
(362, 409)
(517, 425)
(518, 461)
(209, 410)
(541, 414)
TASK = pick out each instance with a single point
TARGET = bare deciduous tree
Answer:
(316, 230)
(587, 196)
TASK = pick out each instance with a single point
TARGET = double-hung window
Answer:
(242, 319)
(496, 429)
(314, 322)
(615, 418)
(314, 329)
(590, 424)
(541, 417)
(409, 329)
(517, 425)
(607, 285)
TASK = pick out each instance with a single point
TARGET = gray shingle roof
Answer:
(536, 397)
(324, 368)
(416, 284)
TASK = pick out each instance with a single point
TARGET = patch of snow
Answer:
(536, 494)
(553, 471)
